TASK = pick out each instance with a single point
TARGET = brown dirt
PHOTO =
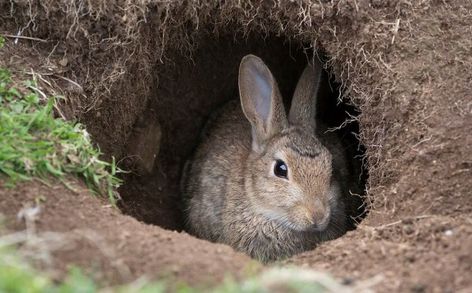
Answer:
(407, 66)
(114, 247)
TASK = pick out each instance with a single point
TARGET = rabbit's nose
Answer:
(320, 217)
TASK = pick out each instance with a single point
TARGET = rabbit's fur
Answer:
(233, 195)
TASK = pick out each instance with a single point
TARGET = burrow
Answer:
(186, 89)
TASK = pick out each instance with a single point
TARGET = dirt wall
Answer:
(406, 66)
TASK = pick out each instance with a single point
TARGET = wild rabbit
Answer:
(272, 187)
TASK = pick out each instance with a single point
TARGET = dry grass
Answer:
(135, 38)
(405, 64)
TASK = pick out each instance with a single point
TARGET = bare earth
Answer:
(406, 66)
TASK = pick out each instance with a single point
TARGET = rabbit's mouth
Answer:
(311, 226)
(322, 225)
(309, 217)
(297, 224)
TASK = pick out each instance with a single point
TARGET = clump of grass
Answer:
(34, 144)
(17, 276)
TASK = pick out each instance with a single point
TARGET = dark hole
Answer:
(188, 90)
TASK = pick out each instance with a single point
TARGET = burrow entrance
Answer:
(187, 89)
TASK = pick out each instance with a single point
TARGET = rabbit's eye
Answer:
(280, 169)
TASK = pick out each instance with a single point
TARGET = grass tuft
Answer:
(34, 144)
(17, 276)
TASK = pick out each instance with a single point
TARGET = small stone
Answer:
(408, 229)
(448, 232)
(64, 61)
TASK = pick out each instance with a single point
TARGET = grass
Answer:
(35, 144)
(17, 276)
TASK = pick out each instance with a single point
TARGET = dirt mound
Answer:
(112, 246)
(406, 67)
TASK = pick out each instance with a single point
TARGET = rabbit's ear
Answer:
(261, 100)
(303, 109)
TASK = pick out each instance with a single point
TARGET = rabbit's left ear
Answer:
(261, 100)
(303, 109)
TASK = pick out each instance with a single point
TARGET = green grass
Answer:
(34, 144)
(17, 276)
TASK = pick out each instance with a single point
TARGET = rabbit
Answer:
(266, 184)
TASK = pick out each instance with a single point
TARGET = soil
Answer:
(406, 67)
(112, 246)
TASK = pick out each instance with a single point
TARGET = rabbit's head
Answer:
(288, 175)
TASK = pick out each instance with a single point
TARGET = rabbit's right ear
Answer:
(261, 100)
(303, 109)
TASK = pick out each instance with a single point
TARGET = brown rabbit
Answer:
(274, 186)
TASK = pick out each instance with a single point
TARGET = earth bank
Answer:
(405, 66)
